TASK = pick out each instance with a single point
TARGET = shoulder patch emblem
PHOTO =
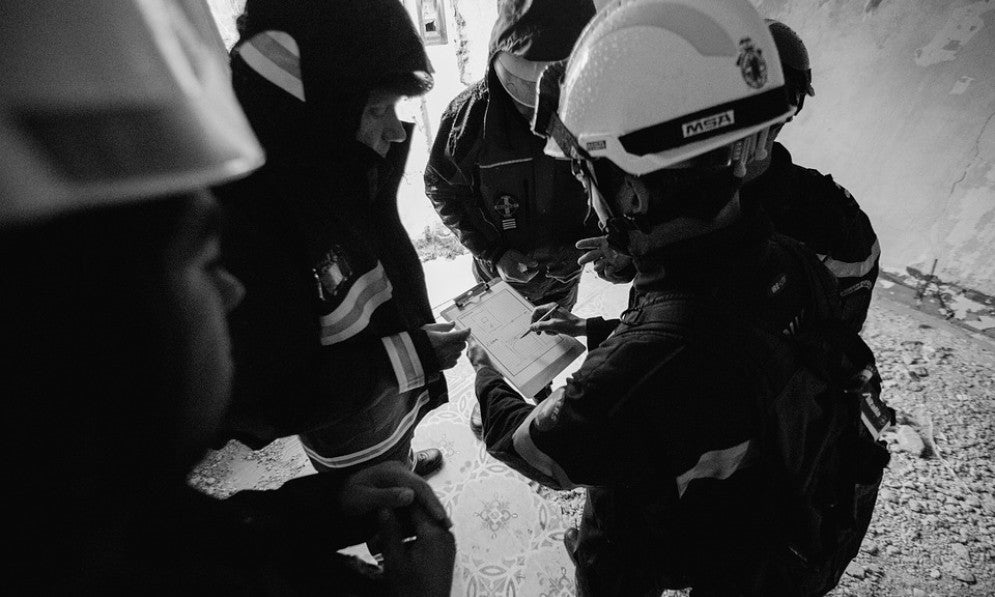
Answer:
(752, 64)
(331, 271)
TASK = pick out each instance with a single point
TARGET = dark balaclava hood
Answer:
(347, 49)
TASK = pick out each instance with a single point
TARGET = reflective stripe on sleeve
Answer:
(845, 269)
(275, 56)
(531, 453)
(354, 458)
(404, 359)
(717, 464)
(369, 291)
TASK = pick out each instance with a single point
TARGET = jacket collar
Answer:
(696, 263)
(505, 129)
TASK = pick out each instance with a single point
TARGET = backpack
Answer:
(821, 414)
(817, 393)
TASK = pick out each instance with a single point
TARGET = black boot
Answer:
(427, 462)
(570, 543)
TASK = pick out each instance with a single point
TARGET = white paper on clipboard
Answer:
(497, 315)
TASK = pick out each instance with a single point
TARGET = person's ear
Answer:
(637, 200)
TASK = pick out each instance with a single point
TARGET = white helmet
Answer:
(106, 102)
(652, 83)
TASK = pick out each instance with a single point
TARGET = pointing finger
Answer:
(594, 242)
(590, 256)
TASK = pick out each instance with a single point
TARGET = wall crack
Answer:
(977, 152)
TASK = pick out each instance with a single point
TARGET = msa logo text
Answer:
(708, 123)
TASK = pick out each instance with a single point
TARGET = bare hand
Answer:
(389, 485)
(477, 355)
(609, 264)
(419, 567)
(516, 267)
(447, 342)
(560, 322)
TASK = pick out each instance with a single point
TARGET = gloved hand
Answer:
(516, 267)
(609, 264)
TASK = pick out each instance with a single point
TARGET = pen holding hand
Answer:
(542, 318)
(552, 319)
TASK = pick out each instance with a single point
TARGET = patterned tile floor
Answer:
(509, 538)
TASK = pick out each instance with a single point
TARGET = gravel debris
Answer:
(933, 531)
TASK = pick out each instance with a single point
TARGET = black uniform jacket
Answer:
(661, 420)
(329, 332)
(487, 175)
(813, 208)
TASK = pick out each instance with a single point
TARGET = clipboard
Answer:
(498, 314)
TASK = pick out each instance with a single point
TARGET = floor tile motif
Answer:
(509, 539)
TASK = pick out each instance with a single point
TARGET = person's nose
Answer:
(394, 129)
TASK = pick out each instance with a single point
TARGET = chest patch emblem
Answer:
(331, 272)
(507, 207)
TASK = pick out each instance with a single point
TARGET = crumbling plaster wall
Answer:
(903, 117)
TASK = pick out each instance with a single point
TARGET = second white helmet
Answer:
(102, 103)
(652, 83)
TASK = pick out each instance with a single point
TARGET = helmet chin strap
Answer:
(617, 225)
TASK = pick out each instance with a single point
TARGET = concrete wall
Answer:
(905, 99)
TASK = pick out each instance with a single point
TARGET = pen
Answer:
(543, 318)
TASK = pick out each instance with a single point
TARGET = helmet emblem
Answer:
(752, 64)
